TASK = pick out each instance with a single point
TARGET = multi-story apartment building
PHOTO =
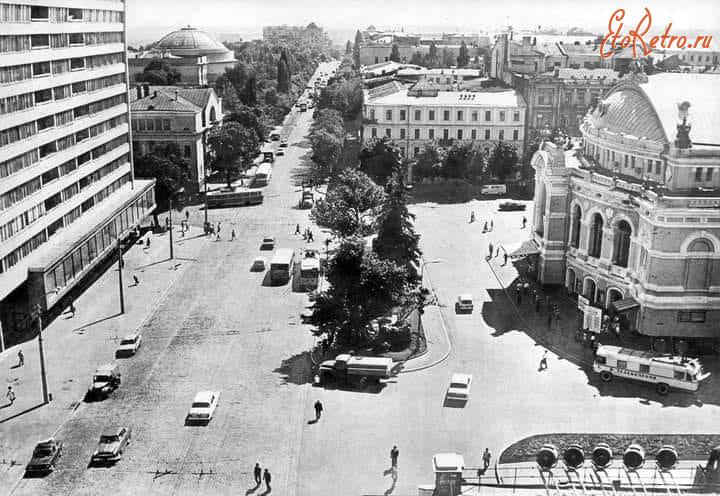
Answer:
(168, 114)
(631, 218)
(311, 35)
(67, 191)
(415, 117)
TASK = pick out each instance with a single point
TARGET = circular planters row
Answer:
(633, 458)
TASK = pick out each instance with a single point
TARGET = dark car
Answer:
(105, 380)
(511, 206)
(113, 442)
(44, 457)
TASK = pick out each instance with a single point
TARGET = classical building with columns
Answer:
(630, 218)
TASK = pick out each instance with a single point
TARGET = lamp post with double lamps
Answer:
(422, 271)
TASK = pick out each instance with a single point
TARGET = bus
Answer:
(281, 266)
(664, 371)
(309, 270)
(233, 197)
(263, 174)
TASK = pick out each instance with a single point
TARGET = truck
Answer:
(348, 368)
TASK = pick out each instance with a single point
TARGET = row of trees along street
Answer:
(257, 93)
(466, 161)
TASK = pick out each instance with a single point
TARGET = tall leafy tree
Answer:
(159, 72)
(378, 159)
(433, 53)
(356, 49)
(327, 149)
(417, 58)
(249, 92)
(232, 148)
(348, 47)
(170, 170)
(350, 206)
(249, 117)
(503, 158)
(283, 76)
(463, 57)
(395, 53)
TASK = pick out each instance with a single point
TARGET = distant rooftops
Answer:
(394, 94)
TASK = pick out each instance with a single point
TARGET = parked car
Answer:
(283, 143)
(268, 243)
(258, 264)
(203, 407)
(280, 152)
(129, 345)
(111, 446)
(464, 303)
(44, 457)
(510, 206)
(105, 380)
(459, 388)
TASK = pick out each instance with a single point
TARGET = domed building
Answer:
(198, 57)
(630, 218)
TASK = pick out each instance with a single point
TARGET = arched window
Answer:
(213, 115)
(590, 290)
(575, 227)
(697, 265)
(596, 233)
(621, 248)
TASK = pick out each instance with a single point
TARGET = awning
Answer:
(521, 249)
(625, 304)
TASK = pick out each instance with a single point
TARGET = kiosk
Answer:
(448, 469)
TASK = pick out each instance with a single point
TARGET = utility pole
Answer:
(120, 279)
(170, 228)
(43, 377)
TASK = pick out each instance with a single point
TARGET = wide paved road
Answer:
(218, 329)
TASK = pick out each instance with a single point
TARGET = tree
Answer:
(249, 117)
(327, 149)
(170, 170)
(447, 58)
(159, 72)
(429, 161)
(330, 120)
(502, 160)
(232, 148)
(397, 239)
(283, 76)
(456, 161)
(228, 93)
(356, 49)
(417, 59)
(378, 158)
(348, 48)
(395, 53)
(350, 206)
(433, 60)
(249, 93)
(344, 96)
(361, 287)
(463, 58)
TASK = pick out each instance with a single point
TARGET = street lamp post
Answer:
(422, 267)
(170, 227)
(120, 279)
(43, 376)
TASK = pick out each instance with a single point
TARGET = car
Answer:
(258, 264)
(203, 407)
(129, 345)
(283, 143)
(274, 136)
(459, 388)
(509, 206)
(268, 243)
(464, 303)
(105, 380)
(279, 152)
(111, 445)
(44, 457)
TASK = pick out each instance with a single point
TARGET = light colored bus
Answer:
(234, 197)
(263, 174)
(281, 266)
(665, 371)
(309, 270)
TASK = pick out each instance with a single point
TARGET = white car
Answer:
(203, 406)
(464, 303)
(129, 345)
(459, 388)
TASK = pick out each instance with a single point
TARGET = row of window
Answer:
(27, 42)
(28, 247)
(17, 224)
(151, 125)
(445, 134)
(40, 13)
(72, 266)
(31, 157)
(17, 73)
(447, 114)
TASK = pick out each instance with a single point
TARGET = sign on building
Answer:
(592, 318)
(582, 303)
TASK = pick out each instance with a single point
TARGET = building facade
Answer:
(419, 116)
(67, 191)
(631, 218)
(311, 35)
(168, 114)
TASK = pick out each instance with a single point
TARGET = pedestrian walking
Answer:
(518, 293)
(297, 229)
(524, 222)
(187, 216)
(318, 410)
(543, 362)
(21, 358)
(147, 242)
(497, 253)
(257, 471)
(472, 217)
(492, 225)
(136, 280)
(72, 309)
(491, 248)
(217, 231)
(10, 395)
(167, 222)
(267, 478)
(394, 454)
(505, 257)
(310, 236)
(485, 228)
(232, 235)
(486, 459)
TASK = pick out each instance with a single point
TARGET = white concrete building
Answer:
(413, 118)
(67, 190)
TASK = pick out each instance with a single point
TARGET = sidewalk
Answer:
(75, 345)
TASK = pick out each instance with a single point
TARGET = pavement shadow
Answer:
(297, 369)
(454, 403)
(20, 414)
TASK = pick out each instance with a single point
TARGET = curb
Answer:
(536, 334)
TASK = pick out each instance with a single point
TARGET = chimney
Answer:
(138, 89)
(176, 95)
(146, 89)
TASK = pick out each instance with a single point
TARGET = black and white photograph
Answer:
(359, 248)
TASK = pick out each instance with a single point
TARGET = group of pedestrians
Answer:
(486, 228)
(307, 234)
(261, 476)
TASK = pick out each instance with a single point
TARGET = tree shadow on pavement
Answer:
(297, 369)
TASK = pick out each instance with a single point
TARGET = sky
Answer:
(150, 18)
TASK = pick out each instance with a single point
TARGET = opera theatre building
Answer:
(630, 217)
